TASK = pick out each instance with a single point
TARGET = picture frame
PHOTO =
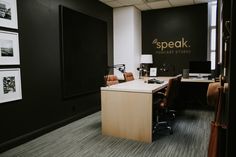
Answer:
(10, 85)
(153, 72)
(9, 48)
(8, 14)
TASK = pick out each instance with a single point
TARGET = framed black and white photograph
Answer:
(153, 72)
(8, 14)
(10, 85)
(9, 48)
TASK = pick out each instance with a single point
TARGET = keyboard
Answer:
(155, 81)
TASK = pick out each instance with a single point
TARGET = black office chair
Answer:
(163, 103)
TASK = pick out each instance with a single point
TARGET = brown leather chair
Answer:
(213, 93)
(164, 113)
(111, 80)
(128, 76)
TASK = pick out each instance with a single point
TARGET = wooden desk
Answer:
(193, 91)
(127, 109)
(196, 79)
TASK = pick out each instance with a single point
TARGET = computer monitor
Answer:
(200, 67)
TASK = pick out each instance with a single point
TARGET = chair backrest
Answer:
(128, 76)
(111, 80)
(213, 93)
(172, 91)
(178, 85)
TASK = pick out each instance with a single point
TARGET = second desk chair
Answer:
(111, 80)
(128, 76)
(164, 101)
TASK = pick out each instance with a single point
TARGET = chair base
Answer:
(164, 125)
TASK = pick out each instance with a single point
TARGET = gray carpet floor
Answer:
(83, 138)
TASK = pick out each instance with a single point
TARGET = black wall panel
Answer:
(184, 29)
(83, 47)
(42, 107)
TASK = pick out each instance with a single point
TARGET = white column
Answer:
(127, 38)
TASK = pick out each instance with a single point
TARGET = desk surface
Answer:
(196, 79)
(138, 86)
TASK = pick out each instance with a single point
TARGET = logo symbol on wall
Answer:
(181, 46)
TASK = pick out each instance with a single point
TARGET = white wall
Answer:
(127, 38)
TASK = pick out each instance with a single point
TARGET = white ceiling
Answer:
(152, 4)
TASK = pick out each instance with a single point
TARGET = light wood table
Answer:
(127, 109)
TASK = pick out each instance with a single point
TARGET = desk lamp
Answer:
(144, 61)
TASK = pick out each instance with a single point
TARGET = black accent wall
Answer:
(42, 107)
(175, 36)
(231, 136)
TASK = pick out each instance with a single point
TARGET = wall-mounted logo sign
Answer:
(181, 46)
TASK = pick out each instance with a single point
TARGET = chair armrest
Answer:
(160, 95)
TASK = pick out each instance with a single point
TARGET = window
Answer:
(212, 33)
